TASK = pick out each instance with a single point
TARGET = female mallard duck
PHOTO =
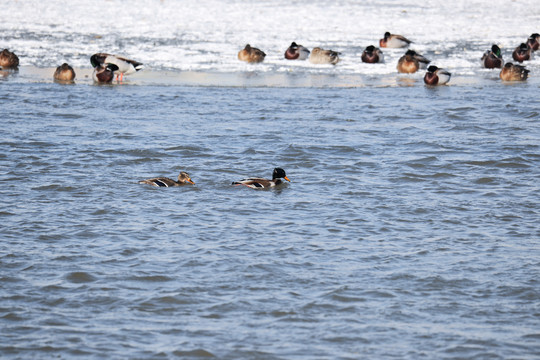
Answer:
(124, 66)
(534, 41)
(64, 73)
(104, 74)
(394, 41)
(296, 52)
(372, 55)
(321, 56)
(511, 72)
(258, 183)
(8, 60)
(492, 58)
(183, 179)
(436, 76)
(251, 54)
(409, 62)
(522, 53)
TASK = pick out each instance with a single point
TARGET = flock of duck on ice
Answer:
(107, 66)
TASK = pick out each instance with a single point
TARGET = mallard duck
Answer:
(522, 53)
(183, 179)
(258, 183)
(394, 41)
(372, 55)
(534, 41)
(124, 66)
(104, 74)
(251, 54)
(296, 52)
(511, 72)
(436, 76)
(321, 56)
(64, 73)
(492, 58)
(408, 63)
(8, 60)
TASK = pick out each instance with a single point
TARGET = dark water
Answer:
(410, 228)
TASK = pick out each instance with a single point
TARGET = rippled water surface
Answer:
(409, 229)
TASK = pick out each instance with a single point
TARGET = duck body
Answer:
(511, 72)
(183, 179)
(393, 41)
(104, 74)
(534, 41)
(8, 60)
(260, 183)
(408, 64)
(321, 56)
(372, 55)
(251, 54)
(296, 52)
(64, 73)
(522, 53)
(124, 66)
(436, 76)
(492, 58)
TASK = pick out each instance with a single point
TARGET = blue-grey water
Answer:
(410, 228)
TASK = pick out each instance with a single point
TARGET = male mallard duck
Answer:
(436, 76)
(183, 179)
(534, 41)
(511, 72)
(258, 183)
(492, 58)
(104, 73)
(64, 73)
(251, 54)
(394, 41)
(296, 52)
(372, 55)
(409, 62)
(522, 53)
(124, 66)
(8, 60)
(321, 56)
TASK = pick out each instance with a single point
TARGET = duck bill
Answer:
(286, 178)
(190, 181)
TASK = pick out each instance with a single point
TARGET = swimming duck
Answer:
(8, 60)
(183, 179)
(64, 73)
(372, 55)
(522, 53)
(296, 52)
(251, 54)
(321, 56)
(394, 41)
(104, 73)
(511, 72)
(124, 66)
(534, 41)
(409, 63)
(493, 58)
(436, 76)
(258, 183)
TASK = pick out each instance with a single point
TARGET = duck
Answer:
(321, 56)
(104, 74)
(492, 58)
(64, 73)
(259, 183)
(251, 54)
(394, 41)
(124, 66)
(511, 72)
(534, 41)
(8, 60)
(409, 63)
(436, 76)
(183, 179)
(296, 52)
(372, 55)
(522, 53)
